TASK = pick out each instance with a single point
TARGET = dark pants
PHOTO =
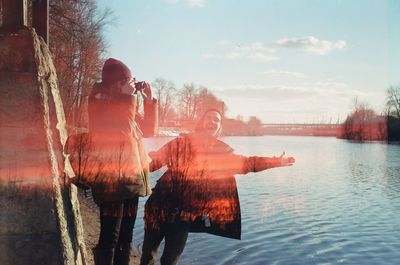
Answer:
(175, 235)
(118, 228)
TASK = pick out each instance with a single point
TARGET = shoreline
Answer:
(91, 228)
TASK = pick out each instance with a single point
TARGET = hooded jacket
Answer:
(111, 158)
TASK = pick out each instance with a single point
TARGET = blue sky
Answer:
(283, 61)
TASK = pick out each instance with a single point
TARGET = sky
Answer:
(282, 61)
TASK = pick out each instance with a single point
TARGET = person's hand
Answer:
(145, 90)
(286, 161)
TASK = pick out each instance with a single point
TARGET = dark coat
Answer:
(199, 185)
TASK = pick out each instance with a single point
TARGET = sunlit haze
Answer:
(283, 61)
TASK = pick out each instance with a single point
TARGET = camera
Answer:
(140, 85)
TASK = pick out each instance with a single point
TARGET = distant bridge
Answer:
(314, 129)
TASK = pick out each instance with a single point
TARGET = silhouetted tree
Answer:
(393, 101)
(188, 101)
(207, 100)
(363, 123)
(254, 126)
(78, 47)
(164, 91)
(393, 112)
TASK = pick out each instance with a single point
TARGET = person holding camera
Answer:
(116, 166)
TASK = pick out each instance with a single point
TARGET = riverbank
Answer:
(91, 228)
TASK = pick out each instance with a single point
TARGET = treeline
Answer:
(364, 124)
(78, 48)
(182, 107)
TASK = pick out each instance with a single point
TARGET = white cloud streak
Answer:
(284, 73)
(189, 3)
(311, 44)
(195, 3)
(255, 47)
(262, 52)
(254, 52)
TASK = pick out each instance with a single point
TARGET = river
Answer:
(338, 204)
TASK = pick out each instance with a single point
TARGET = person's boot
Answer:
(122, 254)
(103, 256)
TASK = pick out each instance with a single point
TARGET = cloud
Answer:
(273, 93)
(284, 73)
(254, 52)
(266, 52)
(331, 84)
(195, 3)
(254, 47)
(190, 3)
(233, 55)
(311, 44)
(282, 93)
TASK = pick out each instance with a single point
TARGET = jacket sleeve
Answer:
(176, 154)
(159, 158)
(244, 165)
(256, 163)
(148, 123)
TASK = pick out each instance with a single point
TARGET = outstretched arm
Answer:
(162, 156)
(255, 163)
(243, 165)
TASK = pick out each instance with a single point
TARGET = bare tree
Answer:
(359, 124)
(393, 101)
(164, 91)
(78, 47)
(188, 101)
(254, 126)
(207, 100)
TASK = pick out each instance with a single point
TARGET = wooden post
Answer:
(40, 18)
(14, 14)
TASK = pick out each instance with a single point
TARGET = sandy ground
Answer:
(91, 227)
